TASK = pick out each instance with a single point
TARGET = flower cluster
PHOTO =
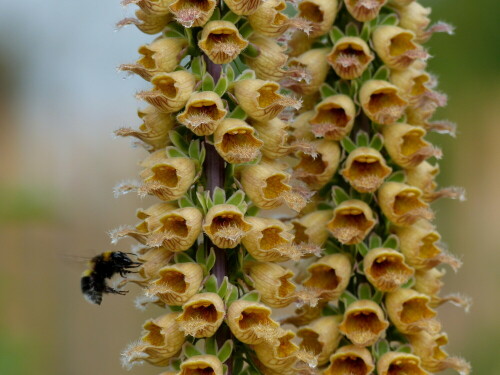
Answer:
(287, 150)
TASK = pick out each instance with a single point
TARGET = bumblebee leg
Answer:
(115, 291)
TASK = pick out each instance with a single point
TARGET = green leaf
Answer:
(351, 30)
(202, 200)
(367, 74)
(223, 287)
(211, 345)
(238, 113)
(200, 254)
(330, 310)
(215, 15)
(211, 284)
(391, 242)
(364, 291)
(344, 87)
(178, 141)
(377, 297)
(225, 351)
(362, 139)
(173, 152)
(207, 83)
(339, 195)
(252, 296)
(247, 74)
(222, 85)
(185, 202)
(171, 33)
(375, 241)
(230, 73)
(348, 298)
(203, 154)
(409, 283)
(237, 198)
(335, 34)
(243, 207)
(251, 51)
(175, 308)
(194, 149)
(246, 30)
(366, 31)
(182, 257)
(332, 248)
(190, 350)
(323, 206)
(176, 364)
(252, 211)
(377, 142)
(382, 73)
(398, 176)
(219, 196)
(198, 66)
(348, 144)
(233, 296)
(231, 17)
(211, 259)
(404, 349)
(362, 249)
(238, 366)
(382, 347)
(326, 90)
(390, 20)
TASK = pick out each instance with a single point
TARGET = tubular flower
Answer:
(268, 187)
(203, 112)
(152, 261)
(396, 47)
(202, 365)
(406, 146)
(382, 102)
(251, 323)
(386, 269)
(429, 282)
(278, 357)
(417, 87)
(146, 22)
(352, 221)
(166, 178)
(193, 13)
(349, 57)
(261, 100)
(321, 14)
(202, 315)
(177, 283)
(364, 10)
(333, 117)
(311, 228)
(155, 7)
(349, 360)
(271, 61)
(273, 283)
(320, 338)
(221, 42)
(225, 225)
(314, 68)
(236, 141)
(409, 311)
(268, 18)
(395, 363)
(402, 204)
(363, 323)
(365, 169)
(243, 7)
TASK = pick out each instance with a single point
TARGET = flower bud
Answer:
(202, 315)
(193, 13)
(177, 230)
(364, 323)
(428, 347)
(273, 284)
(311, 228)
(314, 66)
(167, 178)
(352, 221)
(409, 311)
(364, 10)
(154, 129)
(251, 323)
(329, 276)
(317, 171)
(397, 363)
(171, 91)
(225, 225)
(146, 22)
(268, 18)
(382, 102)
(415, 17)
(221, 42)
(278, 357)
(268, 187)
(386, 269)
(261, 100)
(270, 62)
(365, 169)
(269, 240)
(420, 244)
(236, 142)
(396, 47)
(350, 359)
(177, 283)
(321, 337)
(349, 57)
(402, 204)
(161, 341)
(203, 113)
(321, 13)
(201, 365)
(405, 145)
(243, 7)
(333, 117)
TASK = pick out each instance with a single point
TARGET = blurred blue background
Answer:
(61, 99)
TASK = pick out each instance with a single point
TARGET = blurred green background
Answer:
(60, 100)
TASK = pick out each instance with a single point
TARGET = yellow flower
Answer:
(314, 68)
(193, 13)
(364, 10)
(155, 7)
(221, 42)
(278, 357)
(269, 64)
(236, 141)
(146, 22)
(382, 102)
(321, 337)
(152, 259)
(268, 18)
(333, 117)
(225, 225)
(311, 229)
(201, 365)
(350, 359)
(349, 57)
(202, 315)
(402, 204)
(243, 7)
(396, 363)
(352, 221)
(204, 111)
(321, 14)
(386, 269)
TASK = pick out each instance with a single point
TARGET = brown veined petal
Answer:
(352, 221)
(203, 112)
(221, 42)
(386, 269)
(349, 57)
(236, 141)
(382, 102)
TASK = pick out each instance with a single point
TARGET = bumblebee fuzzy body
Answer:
(102, 267)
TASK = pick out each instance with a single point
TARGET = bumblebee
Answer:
(102, 267)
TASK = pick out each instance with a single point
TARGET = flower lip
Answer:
(350, 360)
(349, 57)
(352, 221)
(236, 142)
(382, 101)
(202, 315)
(386, 269)
(221, 41)
(193, 13)
(333, 117)
(225, 225)
(201, 365)
(364, 10)
(399, 363)
(203, 112)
